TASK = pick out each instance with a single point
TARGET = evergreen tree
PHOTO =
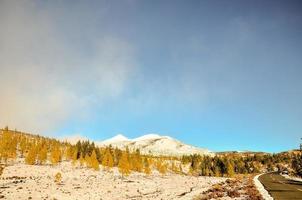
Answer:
(147, 169)
(136, 161)
(230, 169)
(31, 156)
(1, 169)
(82, 159)
(124, 165)
(94, 163)
(42, 154)
(8, 145)
(56, 155)
(107, 161)
(70, 153)
(87, 160)
(23, 146)
(161, 166)
(74, 157)
(180, 168)
(174, 168)
(297, 164)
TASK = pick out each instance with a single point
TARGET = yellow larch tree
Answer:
(87, 160)
(147, 169)
(69, 152)
(74, 157)
(8, 145)
(82, 159)
(136, 161)
(31, 156)
(124, 165)
(23, 145)
(42, 154)
(107, 161)
(94, 163)
(174, 168)
(161, 166)
(56, 154)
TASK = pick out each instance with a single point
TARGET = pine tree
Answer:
(70, 153)
(94, 163)
(58, 178)
(87, 160)
(147, 169)
(8, 145)
(23, 145)
(56, 155)
(82, 159)
(174, 168)
(230, 169)
(137, 161)
(124, 165)
(74, 157)
(42, 154)
(180, 168)
(107, 161)
(161, 167)
(217, 171)
(297, 164)
(1, 169)
(31, 156)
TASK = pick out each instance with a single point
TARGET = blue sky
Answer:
(225, 75)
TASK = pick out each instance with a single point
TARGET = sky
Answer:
(223, 75)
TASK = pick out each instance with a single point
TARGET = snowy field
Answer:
(21, 181)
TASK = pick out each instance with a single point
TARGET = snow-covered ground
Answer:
(21, 181)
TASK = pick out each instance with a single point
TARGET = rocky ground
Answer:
(21, 181)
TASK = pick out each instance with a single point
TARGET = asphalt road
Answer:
(280, 188)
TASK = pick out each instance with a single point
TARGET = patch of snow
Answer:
(264, 193)
(117, 138)
(155, 144)
(38, 182)
(148, 137)
(293, 178)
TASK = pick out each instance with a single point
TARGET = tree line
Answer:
(230, 164)
(39, 150)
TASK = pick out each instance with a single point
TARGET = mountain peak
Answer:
(148, 137)
(117, 138)
(155, 144)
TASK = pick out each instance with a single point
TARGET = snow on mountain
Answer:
(147, 137)
(116, 139)
(155, 144)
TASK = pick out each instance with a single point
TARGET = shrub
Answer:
(1, 169)
(58, 178)
(233, 193)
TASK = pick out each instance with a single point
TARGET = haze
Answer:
(225, 75)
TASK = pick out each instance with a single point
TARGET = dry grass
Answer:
(241, 186)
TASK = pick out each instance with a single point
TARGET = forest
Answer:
(40, 150)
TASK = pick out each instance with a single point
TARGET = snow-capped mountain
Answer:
(155, 144)
(115, 140)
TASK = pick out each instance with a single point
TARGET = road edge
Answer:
(291, 178)
(264, 193)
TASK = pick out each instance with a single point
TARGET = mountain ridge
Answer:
(153, 144)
